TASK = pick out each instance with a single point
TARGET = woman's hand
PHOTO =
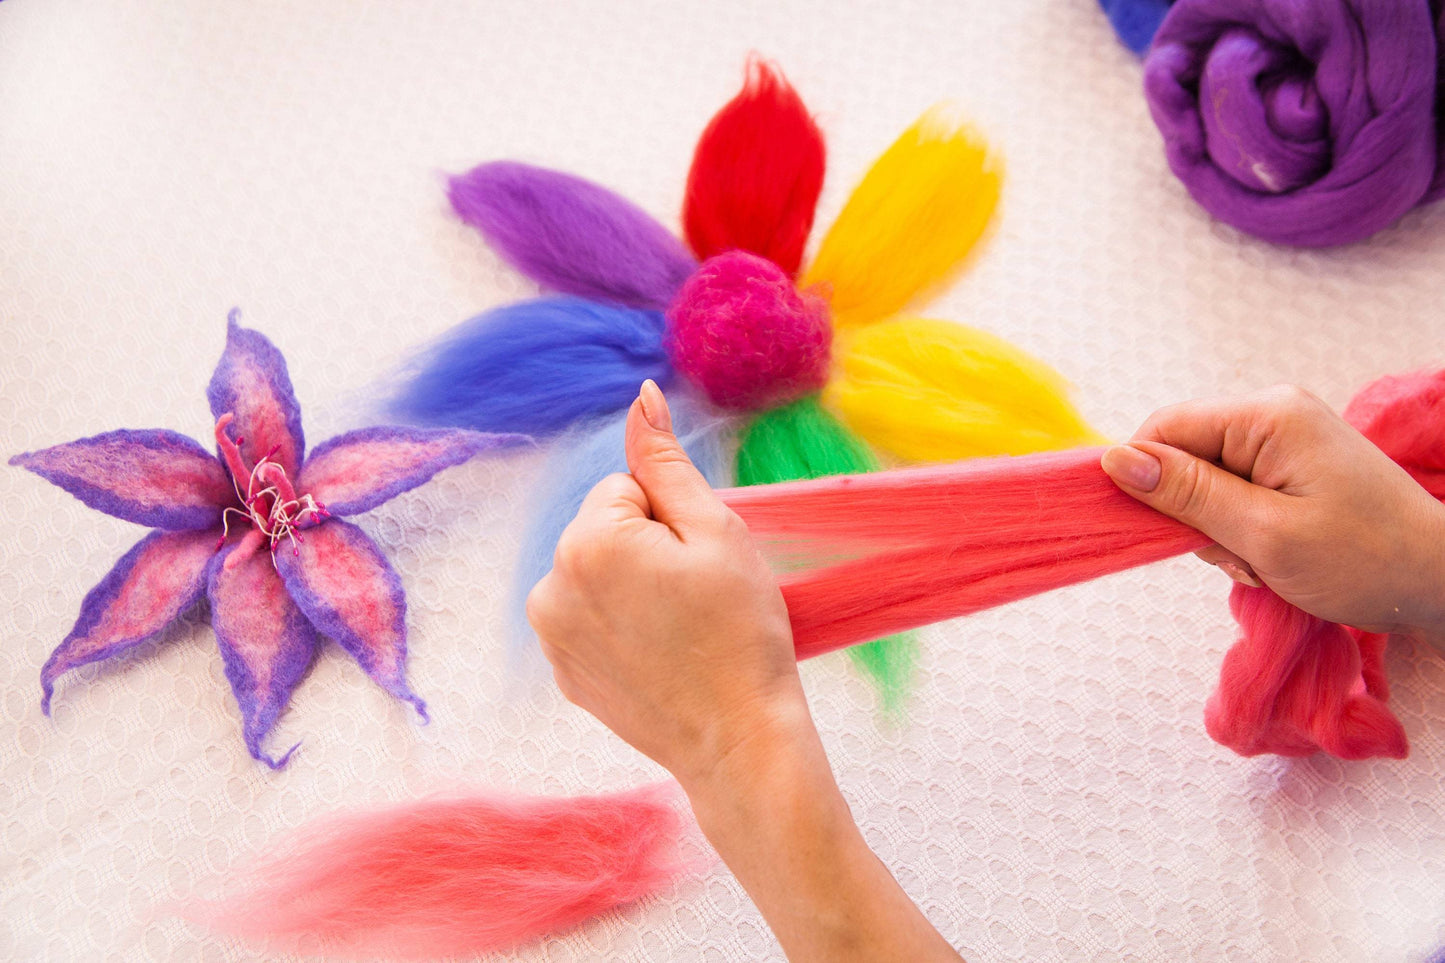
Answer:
(1298, 500)
(661, 618)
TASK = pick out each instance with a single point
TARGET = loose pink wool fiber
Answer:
(450, 877)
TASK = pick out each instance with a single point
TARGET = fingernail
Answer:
(654, 406)
(1131, 467)
(1239, 574)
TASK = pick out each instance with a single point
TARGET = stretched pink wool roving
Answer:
(740, 329)
(864, 556)
(448, 877)
(860, 556)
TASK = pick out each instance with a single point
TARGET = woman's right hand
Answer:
(1298, 500)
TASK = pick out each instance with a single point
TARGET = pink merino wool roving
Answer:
(741, 329)
(1293, 683)
(445, 877)
(863, 556)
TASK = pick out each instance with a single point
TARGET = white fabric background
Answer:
(1052, 795)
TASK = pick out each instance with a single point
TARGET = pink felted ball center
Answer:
(740, 330)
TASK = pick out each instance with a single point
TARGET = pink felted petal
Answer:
(266, 642)
(153, 583)
(358, 471)
(156, 478)
(348, 590)
(251, 382)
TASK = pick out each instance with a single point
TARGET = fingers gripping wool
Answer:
(586, 455)
(859, 557)
(447, 877)
(1294, 684)
(756, 175)
(910, 223)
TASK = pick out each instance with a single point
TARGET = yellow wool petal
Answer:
(908, 226)
(937, 391)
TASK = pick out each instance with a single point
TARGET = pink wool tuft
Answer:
(746, 335)
(1296, 684)
(447, 877)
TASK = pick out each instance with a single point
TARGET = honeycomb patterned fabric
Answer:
(1051, 793)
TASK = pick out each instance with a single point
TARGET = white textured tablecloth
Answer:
(1052, 794)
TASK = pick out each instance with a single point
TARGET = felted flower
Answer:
(1304, 122)
(819, 366)
(257, 530)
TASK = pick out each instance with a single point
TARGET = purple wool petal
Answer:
(251, 383)
(1307, 122)
(346, 587)
(571, 235)
(156, 478)
(266, 642)
(360, 470)
(152, 584)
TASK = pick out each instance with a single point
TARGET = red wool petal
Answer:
(757, 173)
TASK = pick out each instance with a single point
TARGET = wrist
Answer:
(748, 768)
(1427, 619)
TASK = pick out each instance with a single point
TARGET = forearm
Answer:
(772, 809)
(1428, 616)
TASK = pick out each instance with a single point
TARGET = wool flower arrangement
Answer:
(255, 528)
(820, 369)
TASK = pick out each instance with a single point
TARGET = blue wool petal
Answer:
(589, 454)
(536, 368)
(1136, 21)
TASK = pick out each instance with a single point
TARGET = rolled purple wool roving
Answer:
(1305, 122)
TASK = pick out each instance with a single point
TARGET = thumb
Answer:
(1198, 493)
(676, 491)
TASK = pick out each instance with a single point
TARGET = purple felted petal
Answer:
(157, 478)
(152, 584)
(571, 235)
(346, 587)
(251, 383)
(265, 641)
(358, 471)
